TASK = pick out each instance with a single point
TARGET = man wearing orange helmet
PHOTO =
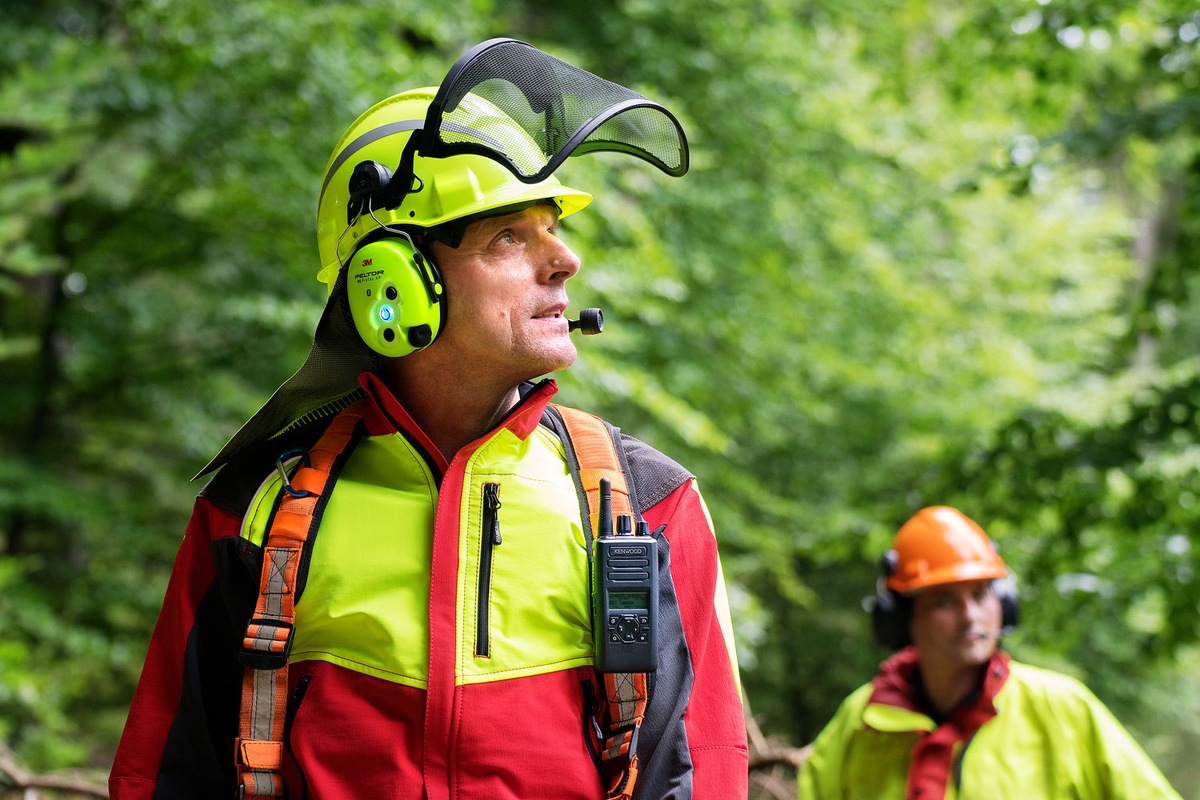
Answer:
(397, 586)
(951, 715)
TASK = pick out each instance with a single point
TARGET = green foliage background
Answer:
(927, 252)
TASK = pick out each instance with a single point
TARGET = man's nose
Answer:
(563, 263)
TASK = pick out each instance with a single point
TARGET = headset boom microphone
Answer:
(590, 322)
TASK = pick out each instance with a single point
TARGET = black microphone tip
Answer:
(590, 322)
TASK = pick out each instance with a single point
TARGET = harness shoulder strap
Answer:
(258, 750)
(626, 694)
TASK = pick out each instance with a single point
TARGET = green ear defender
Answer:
(396, 297)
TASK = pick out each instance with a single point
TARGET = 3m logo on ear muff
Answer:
(395, 296)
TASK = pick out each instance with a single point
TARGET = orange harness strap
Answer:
(626, 693)
(258, 749)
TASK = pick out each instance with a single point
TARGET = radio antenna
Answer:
(604, 521)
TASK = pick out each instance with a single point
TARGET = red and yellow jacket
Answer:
(431, 658)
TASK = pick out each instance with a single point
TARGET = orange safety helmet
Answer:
(939, 545)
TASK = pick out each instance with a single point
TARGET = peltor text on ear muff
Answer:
(395, 296)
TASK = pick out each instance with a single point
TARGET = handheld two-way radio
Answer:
(624, 592)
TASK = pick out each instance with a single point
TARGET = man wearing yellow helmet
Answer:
(951, 715)
(387, 588)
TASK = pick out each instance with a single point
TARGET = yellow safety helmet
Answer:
(442, 190)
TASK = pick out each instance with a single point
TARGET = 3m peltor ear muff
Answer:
(891, 612)
(395, 291)
(395, 296)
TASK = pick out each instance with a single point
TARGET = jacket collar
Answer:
(384, 414)
(895, 684)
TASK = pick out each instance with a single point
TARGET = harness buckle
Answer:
(611, 746)
(267, 643)
(287, 481)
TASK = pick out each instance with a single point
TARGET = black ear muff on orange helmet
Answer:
(890, 612)
(938, 545)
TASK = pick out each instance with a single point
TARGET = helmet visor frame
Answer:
(565, 110)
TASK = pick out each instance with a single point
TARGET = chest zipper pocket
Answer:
(489, 539)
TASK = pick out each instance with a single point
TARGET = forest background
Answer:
(927, 252)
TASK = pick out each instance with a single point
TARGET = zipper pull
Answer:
(491, 502)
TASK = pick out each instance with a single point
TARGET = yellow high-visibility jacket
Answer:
(1032, 734)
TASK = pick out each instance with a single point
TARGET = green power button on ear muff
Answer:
(395, 297)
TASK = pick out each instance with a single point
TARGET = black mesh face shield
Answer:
(548, 110)
(564, 109)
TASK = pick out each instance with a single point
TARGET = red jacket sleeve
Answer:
(187, 697)
(714, 718)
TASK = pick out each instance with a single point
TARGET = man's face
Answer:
(957, 625)
(506, 295)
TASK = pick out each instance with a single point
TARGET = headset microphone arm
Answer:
(590, 322)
